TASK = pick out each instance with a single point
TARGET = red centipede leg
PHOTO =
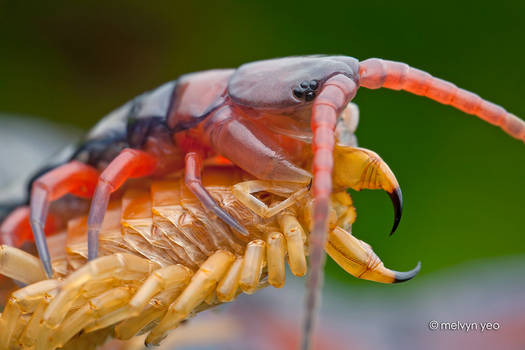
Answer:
(193, 181)
(75, 178)
(130, 163)
(16, 228)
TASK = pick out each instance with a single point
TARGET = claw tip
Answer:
(408, 275)
(241, 229)
(49, 270)
(396, 196)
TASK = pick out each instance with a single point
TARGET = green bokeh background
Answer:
(462, 179)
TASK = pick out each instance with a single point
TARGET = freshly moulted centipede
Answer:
(278, 120)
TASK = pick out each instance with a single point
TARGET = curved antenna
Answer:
(376, 73)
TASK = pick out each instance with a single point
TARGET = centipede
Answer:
(281, 121)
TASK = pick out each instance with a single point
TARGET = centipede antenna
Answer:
(376, 73)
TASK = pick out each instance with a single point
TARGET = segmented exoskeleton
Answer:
(260, 117)
(164, 258)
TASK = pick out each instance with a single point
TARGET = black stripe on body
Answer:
(127, 126)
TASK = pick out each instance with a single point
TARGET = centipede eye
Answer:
(309, 96)
(306, 89)
(299, 93)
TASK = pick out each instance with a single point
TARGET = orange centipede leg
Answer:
(193, 181)
(334, 96)
(75, 178)
(130, 163)
(16, 228)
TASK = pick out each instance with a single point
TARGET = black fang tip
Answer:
(397, 201)
(408, 275)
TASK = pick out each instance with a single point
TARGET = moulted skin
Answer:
(165, 258)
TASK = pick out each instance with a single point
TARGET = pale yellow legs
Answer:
(202, 284)
(253, 263)
(276, 251)
(21, 302)
(293, 191)
(227, 288)
(134, 293)
(20, 266)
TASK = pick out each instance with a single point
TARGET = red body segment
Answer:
(198, 93)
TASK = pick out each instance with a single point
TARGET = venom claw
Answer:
(358, 259)
(359, 168)
(408, 275)
(397, 201)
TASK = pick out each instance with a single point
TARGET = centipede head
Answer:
(302, 97)
(283, 90)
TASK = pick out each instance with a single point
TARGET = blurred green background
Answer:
(462, 179)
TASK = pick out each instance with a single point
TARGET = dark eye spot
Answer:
(299, 93)
(306, 90)
(310, 95)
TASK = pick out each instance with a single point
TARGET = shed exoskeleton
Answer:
(165, 258)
